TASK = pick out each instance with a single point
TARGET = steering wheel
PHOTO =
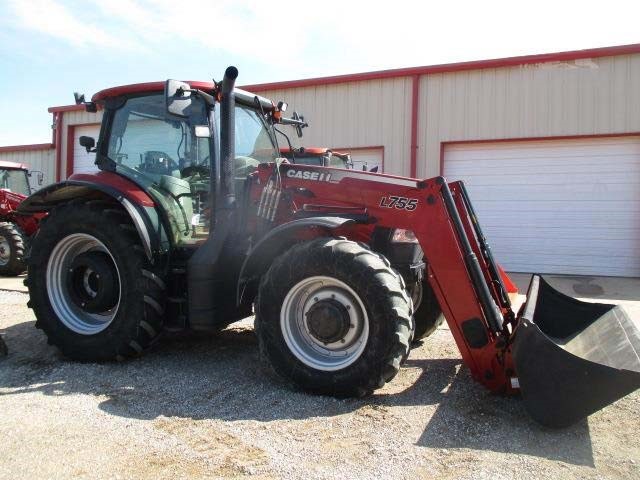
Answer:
(191, 170)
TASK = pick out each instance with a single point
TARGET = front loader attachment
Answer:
(573, 358)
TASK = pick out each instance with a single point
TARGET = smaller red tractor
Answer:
(317, 156)
(15, 228)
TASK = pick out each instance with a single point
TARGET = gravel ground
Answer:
(199, 407)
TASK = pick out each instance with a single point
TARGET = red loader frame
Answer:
(467, 282)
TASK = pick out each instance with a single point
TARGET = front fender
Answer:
(138, 204)
(276, 242)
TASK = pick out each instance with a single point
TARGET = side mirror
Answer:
(88, 143)
(178, 98)
(374, 169)
(298, 127)
(349, 162)
(40, 176)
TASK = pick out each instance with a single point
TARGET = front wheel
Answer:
(333, 318)
(90, 285)
(12, 249)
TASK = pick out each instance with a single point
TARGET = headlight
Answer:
(401, 235)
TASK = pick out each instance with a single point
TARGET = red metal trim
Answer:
(12, 165)
(129, 189)
(26, 148)
(58, 126)
(410, 71)
(71, 130)
(66, 108)
(145, 87)
(451, 67)
(413, 147)
(443, 145)
(53, 130)
(356, 149)
(71, 146)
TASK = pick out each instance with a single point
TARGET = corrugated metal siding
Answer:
(43, 160)
(556, 206)
(357, 114)
(582, 97)
(75, 118)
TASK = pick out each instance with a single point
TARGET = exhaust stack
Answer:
(226, 194)
(206, 290)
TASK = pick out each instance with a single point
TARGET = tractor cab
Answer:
(14, 177)
(172, 153)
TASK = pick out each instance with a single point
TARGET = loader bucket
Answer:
(573, 358)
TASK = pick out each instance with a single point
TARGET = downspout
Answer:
(415, 99)
(57, 143)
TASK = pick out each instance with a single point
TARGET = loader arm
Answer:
(467, 287)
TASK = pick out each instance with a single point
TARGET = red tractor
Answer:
(15, 229)
(193, 219)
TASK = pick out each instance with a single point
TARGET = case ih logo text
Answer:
(309, 175)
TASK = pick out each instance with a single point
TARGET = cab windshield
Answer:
(14, 180)
(171, 156)
(149, 143)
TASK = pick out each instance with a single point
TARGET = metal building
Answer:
(549, 146)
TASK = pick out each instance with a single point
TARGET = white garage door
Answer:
(561, 206)
(83, 162)
(366, 158)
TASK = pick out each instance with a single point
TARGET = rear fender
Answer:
(138, 204)
(276, 242)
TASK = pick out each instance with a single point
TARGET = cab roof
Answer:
(12, 166)
(242, 96)
(145, 88)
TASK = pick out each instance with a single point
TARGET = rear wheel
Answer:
(12, 249)
(92, 290)
(333, 318)
(428, 315)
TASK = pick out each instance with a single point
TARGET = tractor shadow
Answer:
(469, 417)
(220, 377)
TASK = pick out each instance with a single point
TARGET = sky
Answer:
(51, 48)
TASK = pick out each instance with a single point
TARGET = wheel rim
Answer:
(82, 294)
(5, 250)
(324, 323)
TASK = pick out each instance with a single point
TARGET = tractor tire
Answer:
(91, 287)
(428, 314)
(333, 318)
(13, 247)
